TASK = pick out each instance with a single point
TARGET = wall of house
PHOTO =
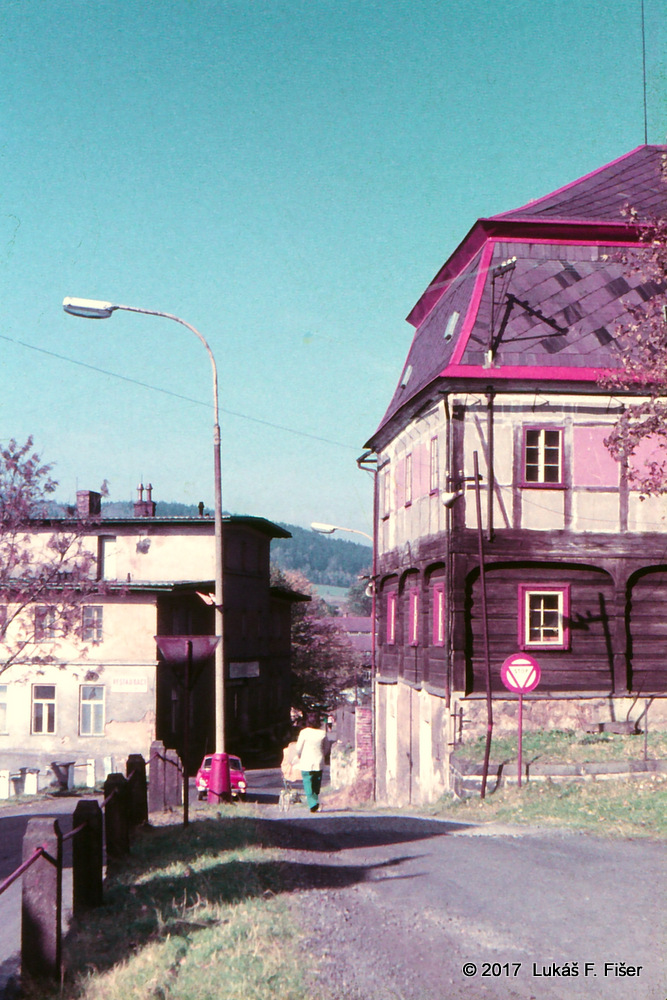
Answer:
(121, 670)
(588, 533)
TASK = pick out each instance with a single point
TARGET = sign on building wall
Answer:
(127, 683)
(239, 669)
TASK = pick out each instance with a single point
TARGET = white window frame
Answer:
(4, 693)
(542, 462)
(47, 707)
(537, 630)
(92, 711)
(92, 623)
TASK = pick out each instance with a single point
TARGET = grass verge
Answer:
(635, 807)
(193, 914)
(567, 747)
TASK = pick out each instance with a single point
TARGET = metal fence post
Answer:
(41, 902)
(87, 857)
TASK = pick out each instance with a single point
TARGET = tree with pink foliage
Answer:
(641, 429)
(46, 571)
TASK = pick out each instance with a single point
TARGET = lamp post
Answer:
(94, 309)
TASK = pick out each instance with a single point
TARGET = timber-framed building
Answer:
(504, 373)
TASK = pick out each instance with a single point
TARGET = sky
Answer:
(286, 176)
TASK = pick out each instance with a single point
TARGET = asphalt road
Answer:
(417, 909)
(404, 908)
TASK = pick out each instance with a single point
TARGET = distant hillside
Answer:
(321, 558)
(333, 562)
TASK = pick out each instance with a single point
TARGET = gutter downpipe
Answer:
(485, 628)
(490, 461)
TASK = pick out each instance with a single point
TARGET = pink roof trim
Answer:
(475, 300)
(555, 374)
(566, 187)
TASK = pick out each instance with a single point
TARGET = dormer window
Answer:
(406, 376)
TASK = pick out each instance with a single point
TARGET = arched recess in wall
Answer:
(436, 625)
(646, 630)
(563, 614)
(388, 627)
(410, 605)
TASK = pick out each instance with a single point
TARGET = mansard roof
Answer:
(537, 294)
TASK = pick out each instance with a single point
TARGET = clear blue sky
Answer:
(287, 177)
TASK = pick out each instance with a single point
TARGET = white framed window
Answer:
(438, 597)
(3, 708)
(392, 603)
(93, 621)
(413, 618)
(46, 623)
(434, 466)
(543, 456)
(43, 708)
(408, 479)
(91, 710)
(544, 617)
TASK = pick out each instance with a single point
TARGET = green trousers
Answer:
(312, 781)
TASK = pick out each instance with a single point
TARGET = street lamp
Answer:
(94, 309)
(328, 529)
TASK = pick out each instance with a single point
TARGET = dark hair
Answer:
(313, 720)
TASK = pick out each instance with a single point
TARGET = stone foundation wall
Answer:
(416, 733)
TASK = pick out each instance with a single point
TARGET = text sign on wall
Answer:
(520, 673)
(139, 685)
(240, 669)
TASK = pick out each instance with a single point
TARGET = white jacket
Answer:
(310, 749)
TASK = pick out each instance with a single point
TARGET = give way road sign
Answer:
(520, 673)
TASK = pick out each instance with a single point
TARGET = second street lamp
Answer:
(95, 309)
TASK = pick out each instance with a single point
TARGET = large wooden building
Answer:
(512, 336)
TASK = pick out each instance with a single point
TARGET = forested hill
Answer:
(333, 562)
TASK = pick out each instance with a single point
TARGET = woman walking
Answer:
(310, 748)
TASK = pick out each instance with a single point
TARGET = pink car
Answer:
(236, 775)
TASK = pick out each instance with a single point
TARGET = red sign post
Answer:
(520, 673)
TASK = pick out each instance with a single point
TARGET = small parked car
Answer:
(236, 775)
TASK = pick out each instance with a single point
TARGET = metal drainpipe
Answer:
(489, 461)
(485, 629)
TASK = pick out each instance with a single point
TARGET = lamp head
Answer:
(323, 529)
(88, 308)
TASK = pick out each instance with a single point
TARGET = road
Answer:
(395, 907)
(418, 909)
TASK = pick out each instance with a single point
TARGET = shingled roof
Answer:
(537, 293)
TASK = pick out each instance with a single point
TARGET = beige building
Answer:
(104, 691)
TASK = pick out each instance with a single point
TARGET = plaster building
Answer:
(511, 339)
(107, 692)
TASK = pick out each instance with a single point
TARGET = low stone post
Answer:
(156, 799)
(135, 769)
(41, 903)
(87, 857)
(117, 816)
(173, 780)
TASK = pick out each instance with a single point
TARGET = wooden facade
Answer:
(503, 375)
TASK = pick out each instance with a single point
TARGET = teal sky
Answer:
(287, 177)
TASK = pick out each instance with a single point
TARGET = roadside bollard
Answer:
(87, 857)
(156, 799)
(173, 780)
(117, 816)
(135, 769)
(41, 903)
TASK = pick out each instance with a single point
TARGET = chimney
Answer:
(88, 503)
(144, 508)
